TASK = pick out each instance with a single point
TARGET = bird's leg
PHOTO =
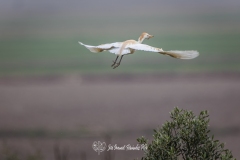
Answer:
(117, 64)
(114, 62)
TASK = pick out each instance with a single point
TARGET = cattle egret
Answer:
(129, 47)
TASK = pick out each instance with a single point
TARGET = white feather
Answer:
(102, 47)
(110, 45)
(175, 54)
(116, 51)
(181, 54)
(144, 47)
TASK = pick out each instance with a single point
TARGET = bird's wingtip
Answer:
(80, 43)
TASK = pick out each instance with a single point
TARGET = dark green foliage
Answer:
(185, 137)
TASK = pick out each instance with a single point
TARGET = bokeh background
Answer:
(57, 98)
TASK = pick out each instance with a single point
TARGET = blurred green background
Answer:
(41, 37)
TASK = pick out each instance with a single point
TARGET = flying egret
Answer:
(129, 47)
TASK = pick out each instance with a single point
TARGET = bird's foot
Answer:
(114, 62)
(115, 66)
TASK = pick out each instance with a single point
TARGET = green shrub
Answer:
(185, 137)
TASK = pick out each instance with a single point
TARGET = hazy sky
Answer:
(34, 16)
(13, 5)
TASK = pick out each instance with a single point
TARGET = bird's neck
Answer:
(140, 39)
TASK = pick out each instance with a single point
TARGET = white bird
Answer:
(129, 47)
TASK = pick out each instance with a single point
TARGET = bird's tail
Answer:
(181, 54)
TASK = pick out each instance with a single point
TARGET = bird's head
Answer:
(148, 36)
(143, 36)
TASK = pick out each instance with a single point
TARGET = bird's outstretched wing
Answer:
(175, 54)
(181, 54)
(102, 47)
(144, 47)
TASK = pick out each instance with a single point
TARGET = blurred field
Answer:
(77, 110)
(54, 91)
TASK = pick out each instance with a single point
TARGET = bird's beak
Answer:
(150, 36)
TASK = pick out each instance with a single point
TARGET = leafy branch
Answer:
(185, 137)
